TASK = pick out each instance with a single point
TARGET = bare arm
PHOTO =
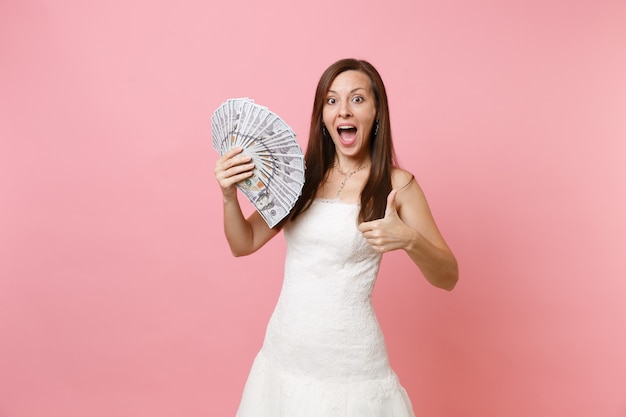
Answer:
(409, 225)
(244, 236)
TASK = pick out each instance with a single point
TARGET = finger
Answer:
(230, 157)
(233, 167)
(235, 173)
(366, 226)
(239, 177)
(232, 152)
(230, 160)
(391, 204)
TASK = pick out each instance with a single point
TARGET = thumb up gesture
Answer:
(390, 232)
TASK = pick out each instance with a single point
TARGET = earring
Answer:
(376, 128)
(324, 131)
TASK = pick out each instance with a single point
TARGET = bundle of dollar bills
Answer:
(279, 165)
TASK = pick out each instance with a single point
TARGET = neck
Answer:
(350, 166)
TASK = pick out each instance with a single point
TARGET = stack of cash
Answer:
(278, 175)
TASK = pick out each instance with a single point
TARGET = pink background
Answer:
(118, 295)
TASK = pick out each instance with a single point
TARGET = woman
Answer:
(324, 353)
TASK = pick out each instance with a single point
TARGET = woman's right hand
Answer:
(231, 168)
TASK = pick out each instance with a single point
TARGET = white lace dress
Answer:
(324, 354)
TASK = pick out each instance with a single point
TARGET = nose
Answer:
(344, 110)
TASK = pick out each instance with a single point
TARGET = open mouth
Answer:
(347, 134)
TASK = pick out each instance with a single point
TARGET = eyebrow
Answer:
(351, 91)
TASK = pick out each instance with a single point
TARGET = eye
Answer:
(357, 99)
(331, 100)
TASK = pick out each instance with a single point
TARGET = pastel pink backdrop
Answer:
(118, 295)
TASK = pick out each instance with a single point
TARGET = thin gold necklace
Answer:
(347, 175)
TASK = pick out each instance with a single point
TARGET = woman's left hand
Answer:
(390, 232)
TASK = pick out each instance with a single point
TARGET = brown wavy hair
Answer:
(320, 153)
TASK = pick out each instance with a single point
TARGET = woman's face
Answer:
(349, 113)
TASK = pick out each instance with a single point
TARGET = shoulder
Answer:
(412, 205)
(409, 193)
(401, 178)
